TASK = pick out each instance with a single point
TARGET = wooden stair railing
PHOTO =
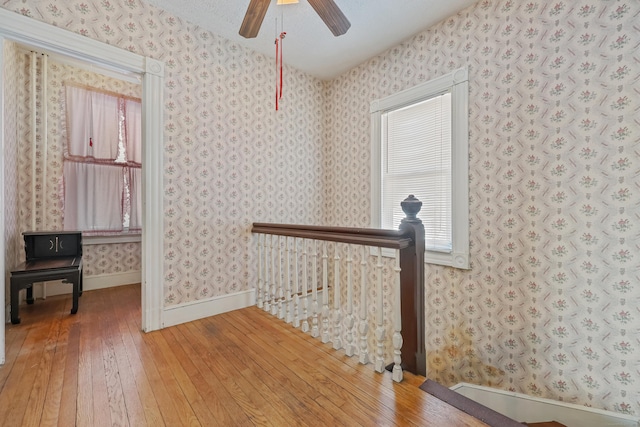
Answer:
(409, 324)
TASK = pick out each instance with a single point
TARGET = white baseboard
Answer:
(524, 408)
(102, 281)
(90, 283)
(195, 310)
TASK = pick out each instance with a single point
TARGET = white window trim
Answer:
(458, 82)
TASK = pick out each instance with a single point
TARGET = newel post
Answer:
(412, 289)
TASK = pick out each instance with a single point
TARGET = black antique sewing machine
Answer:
(50, 255)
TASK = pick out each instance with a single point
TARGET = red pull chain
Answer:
(282, 35)
(277, 81)
(279, 46)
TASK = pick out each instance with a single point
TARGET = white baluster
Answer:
(267, 273)
(296, 285)
(259, 295)
(337, 309)
(305, 285)
(325, 294)
(274, 275)
(281, 301)
(397, 324)
(350, 348)
(379, 362)
(270, 288)
(364, 325)
(314, 293)
(288, 307)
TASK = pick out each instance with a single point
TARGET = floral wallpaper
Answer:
(231, 159)
(97, 259)
(549, 307)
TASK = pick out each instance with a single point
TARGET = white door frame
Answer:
(32, 33)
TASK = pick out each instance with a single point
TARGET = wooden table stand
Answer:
(69, 270)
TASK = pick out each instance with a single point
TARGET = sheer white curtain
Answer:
(92, 124)
(133, 130)
(93, 197)
(78, 104)
(102, 165)
(135, 194)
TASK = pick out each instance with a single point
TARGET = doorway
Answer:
(44, 37)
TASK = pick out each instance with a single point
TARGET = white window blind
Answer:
(416, 144)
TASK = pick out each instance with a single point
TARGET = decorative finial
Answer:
(411, 206)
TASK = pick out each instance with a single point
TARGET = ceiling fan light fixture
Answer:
(287, 1)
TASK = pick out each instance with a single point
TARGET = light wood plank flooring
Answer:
(243, 368)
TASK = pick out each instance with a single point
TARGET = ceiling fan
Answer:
(327, 9)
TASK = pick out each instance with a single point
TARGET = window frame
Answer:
(457, 82)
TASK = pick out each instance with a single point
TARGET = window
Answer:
(420, 146)
(102, 162)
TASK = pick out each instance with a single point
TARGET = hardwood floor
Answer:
(241, 368)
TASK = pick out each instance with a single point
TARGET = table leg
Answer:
(15, 315)
(30, 299)
(76, 292)
(81, 281)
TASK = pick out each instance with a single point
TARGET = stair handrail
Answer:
(409, 239)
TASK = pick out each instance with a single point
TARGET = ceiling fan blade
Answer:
(253, 18)
(331, 15)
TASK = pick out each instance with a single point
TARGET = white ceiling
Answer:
(376, 25)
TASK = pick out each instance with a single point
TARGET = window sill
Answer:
(116, 238)
(452, 259)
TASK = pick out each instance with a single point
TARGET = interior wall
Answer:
(103, 259)
(230, 159)
(549, 305)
